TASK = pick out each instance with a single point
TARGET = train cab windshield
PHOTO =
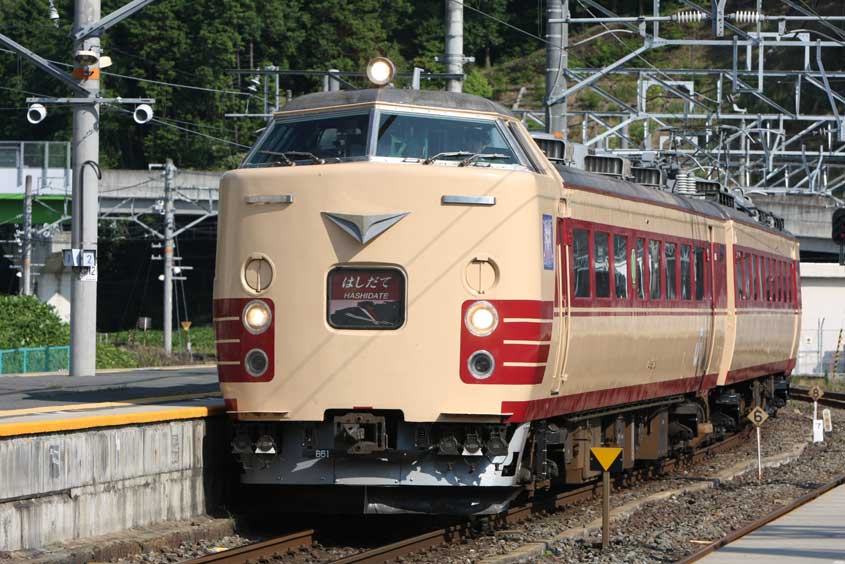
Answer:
(385, 135)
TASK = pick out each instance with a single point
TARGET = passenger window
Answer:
(671, 271)
(782, 282)
(760, 276)
(620, 263)
(738, 274)
(601, 264)
(766, 280)
(640, 268)
(581, 262)
(789, 282)
(686, 278)
(746, 293)
(699, 273)
(755, 277)
(654, 269)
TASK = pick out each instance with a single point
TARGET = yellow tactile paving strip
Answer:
(119, 413)
(105, 404)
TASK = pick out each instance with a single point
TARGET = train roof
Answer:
(430, 98)
(633, 191)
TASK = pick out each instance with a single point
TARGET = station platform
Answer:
(56, 403)
(87, 456)
(812, 534)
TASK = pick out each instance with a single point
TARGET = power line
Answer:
(160, 82)
(500, 21)
(185, 129)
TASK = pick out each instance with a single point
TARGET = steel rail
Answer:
(273, 547)
(830, 399)
(751, 527)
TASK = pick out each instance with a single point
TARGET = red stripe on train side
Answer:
(530, 410)
(750, 372)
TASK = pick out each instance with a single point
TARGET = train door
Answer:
(560, 334)
(708, 280)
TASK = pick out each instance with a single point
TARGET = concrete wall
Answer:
(65, 486)
(52, 285)
(823, 295)
(807, 216)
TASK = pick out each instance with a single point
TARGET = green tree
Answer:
(477, 84)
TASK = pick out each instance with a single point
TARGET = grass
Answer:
(133, 348)
(828, 384)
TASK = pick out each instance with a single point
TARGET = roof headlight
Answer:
(380, 71)
(257, 317)
(481, 319)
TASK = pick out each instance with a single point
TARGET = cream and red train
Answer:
(417, 311)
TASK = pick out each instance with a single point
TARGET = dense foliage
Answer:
(194, 42)
(26, 322)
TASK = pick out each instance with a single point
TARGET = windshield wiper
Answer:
(472, 158)
(284, 162)
(447, 154)
(306, 154)
(286, 157)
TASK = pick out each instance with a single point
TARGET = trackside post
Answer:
(608, 460)
(757, 417)
(818, 425)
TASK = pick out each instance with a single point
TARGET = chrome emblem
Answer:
(365, 228)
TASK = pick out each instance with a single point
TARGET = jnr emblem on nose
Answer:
(365, 227)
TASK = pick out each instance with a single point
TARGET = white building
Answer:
(823, 318)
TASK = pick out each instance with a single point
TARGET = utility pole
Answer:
(86, 154)
(454, 54)
(557, 60)
(84, 82)
(169, 173)
(26, 250)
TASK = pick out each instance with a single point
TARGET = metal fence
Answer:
(36, 359)
(817, 352)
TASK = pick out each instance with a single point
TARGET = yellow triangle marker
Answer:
(606, 455)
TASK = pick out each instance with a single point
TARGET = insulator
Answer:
(746, 16)
(690, 16)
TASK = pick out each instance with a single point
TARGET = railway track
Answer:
(751, 527)
(539, 503)
(278, 546)
(830, 399)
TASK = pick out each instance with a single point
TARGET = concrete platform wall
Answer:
(59, 487)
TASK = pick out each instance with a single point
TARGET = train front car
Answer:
(385, 279)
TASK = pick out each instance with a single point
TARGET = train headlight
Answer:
(257, 317)
(481, 365)
(481, 319)
(256, 362)
(381, 71)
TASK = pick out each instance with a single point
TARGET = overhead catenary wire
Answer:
(186, 130)
(500, 21)
(153, 81)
